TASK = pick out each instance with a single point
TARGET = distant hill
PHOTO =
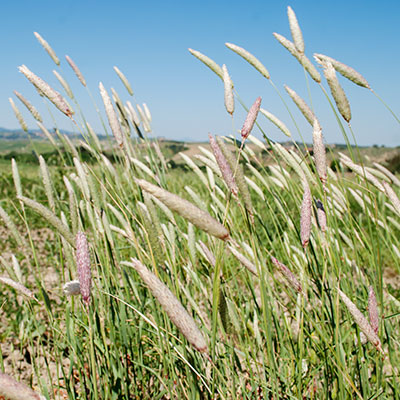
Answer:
(19, 134)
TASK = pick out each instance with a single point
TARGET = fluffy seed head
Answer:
(321, 216)
(83, 266)
(46, 90)
(207, 252)
(249, 58)
(373, 310)
(48, 48)
(344, 70)
(302, 105)
(124, 80)
(18, 115)
(319, 152)
(111, 116)
(361, 321)
(172, 306)
(208, 62)
(292, 280)
(276, 121)
(392, 196)
(223, 166)
(337, 92)
(17, 286)
(77, 71)
(228, 91)
(251, 118)
(305, 215)
(29, 106)
(295, 30)
(64, 84)
(72, 288)
(243, 260)
(300, 57)
(50, 217)
(361, 171)
(187, 210)
(14, 390)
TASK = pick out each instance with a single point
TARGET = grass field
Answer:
(227, 270)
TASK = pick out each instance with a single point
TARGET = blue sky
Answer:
(148, 41)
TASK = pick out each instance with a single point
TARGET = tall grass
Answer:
(276, 275)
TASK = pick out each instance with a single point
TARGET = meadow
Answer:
(138, 268)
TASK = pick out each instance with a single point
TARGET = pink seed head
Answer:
(373, 310)
(83, 266)
(292, 280)
(251, 118)
(305, 216)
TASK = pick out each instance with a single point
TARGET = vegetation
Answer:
(288, 269)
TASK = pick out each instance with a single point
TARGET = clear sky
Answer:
(148, 41)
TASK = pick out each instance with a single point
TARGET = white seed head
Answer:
(18, 115)
(48, 48)
(72, 288)
(337, 92)
(208, 62)
(29, 106)
(187, 210)
(124, 80)
(46, 90)
(361, 321)
(172, 306)
(249, 58)
(302, 105)
(276, 121)
(228, 91)
(344, 70)
(305, 215)
(111, 116)
(295, 30)
(77, 71)
(319, 152)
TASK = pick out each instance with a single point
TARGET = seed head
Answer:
(337, 92)
(223, 166)
(293, 282)
(14, 390)
(72, 288)
(295, 30)
(344, 70)
(321, 216)
(83, 266)
(124, 80)
(251, 118)
(77, 71)
(302, 105)
(361, 321)
(46, 90)
(111, 116)
(29, 106)
(18, 115)
(228, 91)
(48, 48)
(373, 310)
(305, 215)
(187, 210)
(249, 58)
(319, 152)
(276, 121)
(172, 306)
(208, 62)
